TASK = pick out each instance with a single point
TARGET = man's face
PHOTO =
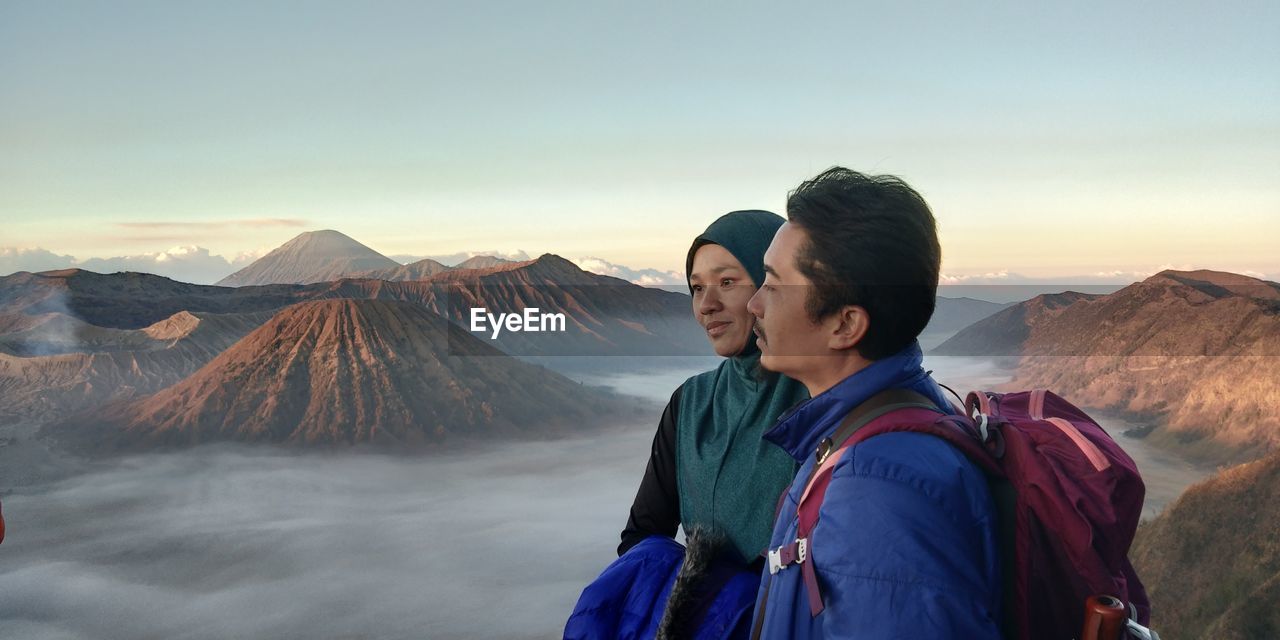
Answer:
(787, 338)
(721, 288)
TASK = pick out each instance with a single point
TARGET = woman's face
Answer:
(721, 289)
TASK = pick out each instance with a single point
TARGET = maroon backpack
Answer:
(1068, 497)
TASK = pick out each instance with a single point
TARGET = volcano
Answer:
(314, 256)
(346, 372)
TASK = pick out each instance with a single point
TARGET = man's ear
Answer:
(851, 325)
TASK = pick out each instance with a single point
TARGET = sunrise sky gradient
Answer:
(1085, 139)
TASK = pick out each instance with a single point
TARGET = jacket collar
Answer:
(799, 430)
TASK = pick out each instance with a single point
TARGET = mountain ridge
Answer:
(1192, 351)
(344, 372)
(607, 316)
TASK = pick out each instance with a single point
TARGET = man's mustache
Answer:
(759, 330)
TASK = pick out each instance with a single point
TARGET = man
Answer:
(905, 541)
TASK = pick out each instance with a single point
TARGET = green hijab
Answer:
(728, 477)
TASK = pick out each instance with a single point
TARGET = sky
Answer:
(1083, 140)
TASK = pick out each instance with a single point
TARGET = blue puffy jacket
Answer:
(906, 542)
(627, 600)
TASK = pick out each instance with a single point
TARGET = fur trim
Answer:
(690, 594)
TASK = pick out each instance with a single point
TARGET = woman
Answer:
(709, 470)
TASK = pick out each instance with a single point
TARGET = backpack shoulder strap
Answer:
(862, 415)
(826, 456)
(874, 407)
(848, 433)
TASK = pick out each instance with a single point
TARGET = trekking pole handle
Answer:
(1104, 618)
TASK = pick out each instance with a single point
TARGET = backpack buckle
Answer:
(788, 554)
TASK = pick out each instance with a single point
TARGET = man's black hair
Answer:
(873, 243)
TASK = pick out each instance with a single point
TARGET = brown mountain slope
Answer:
(1211, 561)
(954, 314)
(1194, 351)
(344, 372)
(131, 300)
(1011, 330)
(205, 333)
(57, 333)
(603, 315)
(90, 374)
(314, 256)
(1172, 313)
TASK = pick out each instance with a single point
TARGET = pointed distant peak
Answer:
(481, 262)
(323, 237)
(327, 233)
(427, 262)
(553, 268)
(314, 256)
(553, 261)
(551, 258)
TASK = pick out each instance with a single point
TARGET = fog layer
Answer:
(241, 542)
